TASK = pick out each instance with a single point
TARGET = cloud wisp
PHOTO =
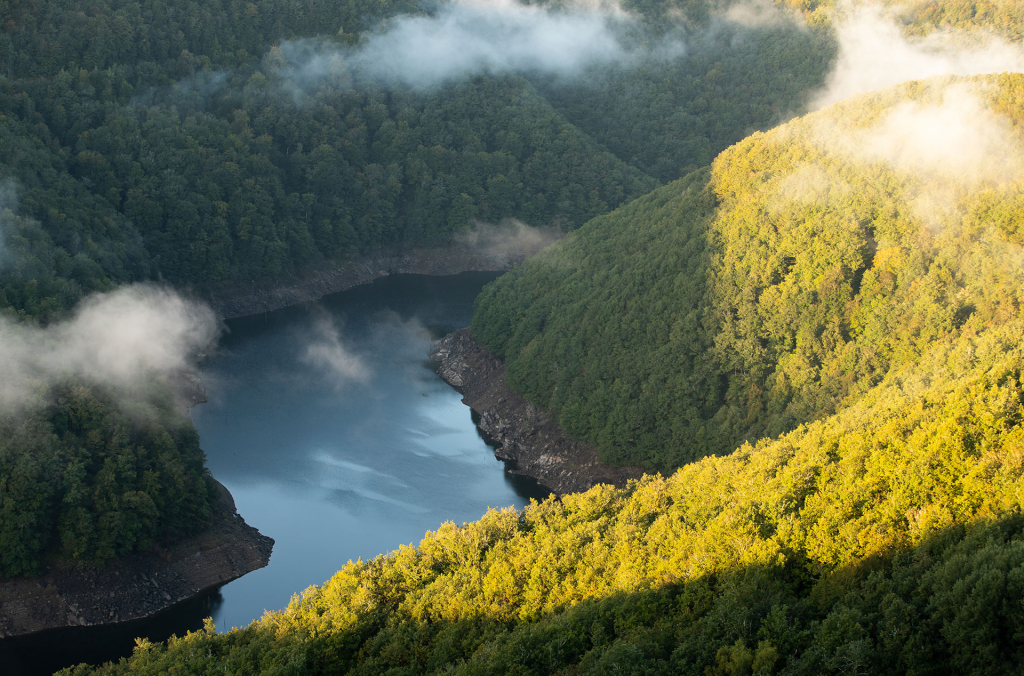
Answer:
(121, 339)
(327, 351)
(472, 37)
(943, 147)
(952, 137)
(510, 237)
(874, 54)
(502, 36)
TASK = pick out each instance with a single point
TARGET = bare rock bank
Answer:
(136, 586)
(528, 440)
(257, 296)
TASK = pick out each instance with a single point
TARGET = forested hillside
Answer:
(812, 331)
(196, 143)
(805, 268)
(200, 143)
(833, 277)
(1005, 17)
(86, 476)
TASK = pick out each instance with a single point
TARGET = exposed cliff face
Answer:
(139, 585)
(528, 439)
(243, 299)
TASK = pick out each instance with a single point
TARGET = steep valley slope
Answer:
(823, 334)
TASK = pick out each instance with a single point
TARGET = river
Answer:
(336, 438)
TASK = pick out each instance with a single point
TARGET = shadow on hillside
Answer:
(952, 604)
(45, 652)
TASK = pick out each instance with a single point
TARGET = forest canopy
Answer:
(198, 143)
(813, 332)
(857, 301)
(884, 538)
(85, 476)
(811, 262)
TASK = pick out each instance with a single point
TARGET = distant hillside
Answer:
(807, 266)
(201, 143)
(1002, 17)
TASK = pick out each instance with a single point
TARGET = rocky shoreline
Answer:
(255, 297)
(141, 585)
(136, 586)
(527, 439)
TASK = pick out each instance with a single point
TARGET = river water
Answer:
(330, 427)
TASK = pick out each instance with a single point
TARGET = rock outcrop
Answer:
(527, 439)
(136, 586)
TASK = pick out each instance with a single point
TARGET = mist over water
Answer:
(353, 451)
(336, 437)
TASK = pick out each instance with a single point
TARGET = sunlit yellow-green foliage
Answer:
(882, 534)
(1004, 17)
(834, 546)
(1001, 17)
(817, 258)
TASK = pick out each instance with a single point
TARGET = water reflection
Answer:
(48, 651)
(336, 437)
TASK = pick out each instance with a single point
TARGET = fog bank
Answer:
(327, 351)
(510, 237)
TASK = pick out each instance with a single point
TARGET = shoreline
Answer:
(141, 585)
(530, 443)
(235, 300)
(137, 586)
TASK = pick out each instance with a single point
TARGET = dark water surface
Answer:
(331, 429)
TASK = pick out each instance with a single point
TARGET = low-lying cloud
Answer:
(959, 138)
(494, 37)
(470, 37)
(954, 138)
(946, 146)
(510, 237)
(121, 339)
(327, 351)
(874, 53)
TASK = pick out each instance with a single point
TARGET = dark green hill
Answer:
(196, 189)
(181, 142)
(87, 476)
(667, 117)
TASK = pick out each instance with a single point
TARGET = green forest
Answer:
(737, 304)
(868, 520)
(182, 143)
(179, 143)
(806, 325)
(86, 475)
